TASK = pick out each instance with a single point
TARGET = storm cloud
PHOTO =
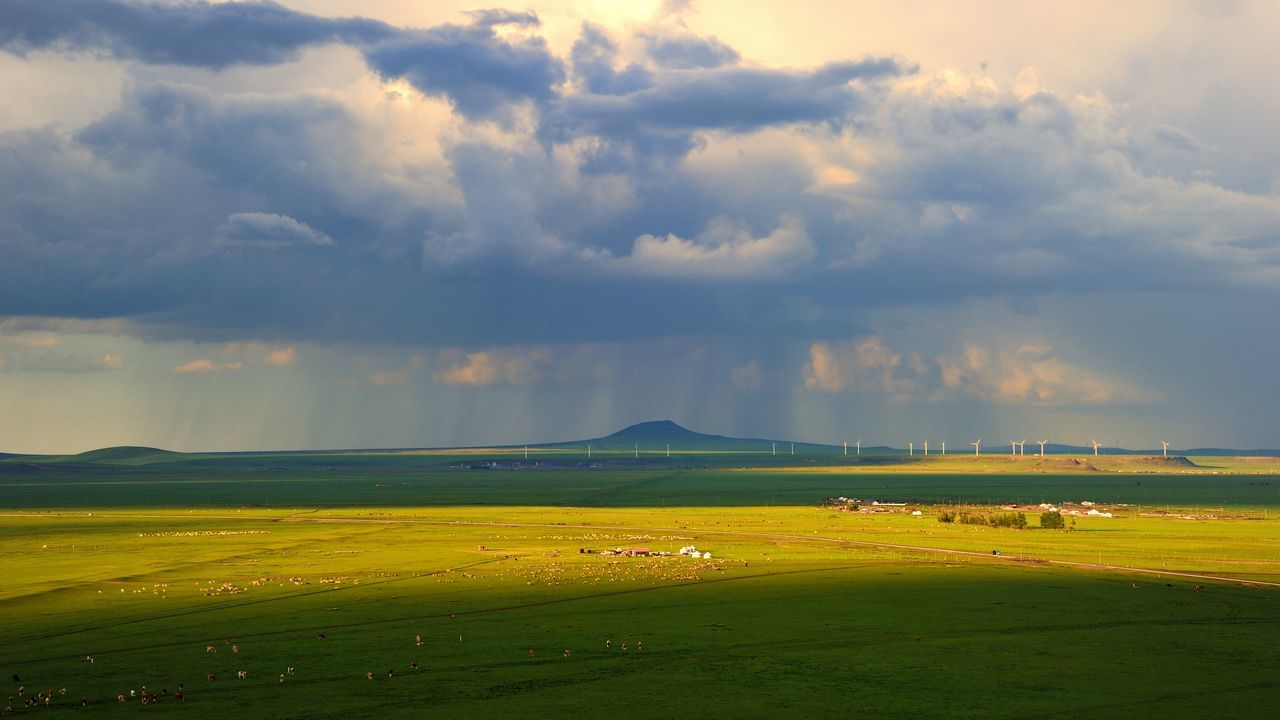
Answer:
(503, 201)
(214, 35)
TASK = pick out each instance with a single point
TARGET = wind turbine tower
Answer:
(1165, 443)
(846, 447)
(1022, 446)
(926, 447)
(1041, 443)
(1095, 444)
(977, 447)
(911, 448)
(858, 443)
(944, 447)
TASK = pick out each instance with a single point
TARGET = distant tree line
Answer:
(1003, 519)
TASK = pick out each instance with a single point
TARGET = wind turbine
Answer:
(977, 447)
(588, 451)
(944, 447)
(859, 444)
(926, 447)
(1095, 447)
(775, 448)
(793, 448)
(1041, 443)
(1022, 446)
(526, 452)
(668, 449)
(846, 447)
(911, 448)
(1013, 447)
(637, 451)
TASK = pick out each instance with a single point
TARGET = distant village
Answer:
(1084, 508)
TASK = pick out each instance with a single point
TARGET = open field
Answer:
(141, 478)
(800, 610)
(333, 564)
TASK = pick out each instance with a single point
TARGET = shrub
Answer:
(1052, 520)
(1009, 519)
(973, 519)
(947, 516)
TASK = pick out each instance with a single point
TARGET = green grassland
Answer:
(143, 476)
(334, 564)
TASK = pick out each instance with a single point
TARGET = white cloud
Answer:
(268, 231)
(722, 251)
(204, 366)
(1031, 374)
(865, 364)
(515, 366)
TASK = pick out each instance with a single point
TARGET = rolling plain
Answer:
(417, 584)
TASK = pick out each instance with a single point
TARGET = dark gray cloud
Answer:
(493, 17)
(684, 50)
(163, 209)
(480, 72)
(594, 55)
(214, 35)
(665, 115)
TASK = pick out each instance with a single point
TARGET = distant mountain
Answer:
(658, 434)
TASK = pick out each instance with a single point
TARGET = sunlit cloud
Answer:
(1029, 375)
(204, 366)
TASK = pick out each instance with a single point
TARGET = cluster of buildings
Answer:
(1085, 509)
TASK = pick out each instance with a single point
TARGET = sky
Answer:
(353, 223)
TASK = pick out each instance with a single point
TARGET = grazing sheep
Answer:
(212, 677)
(179, 697)
(210, 649)
(369, 674)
